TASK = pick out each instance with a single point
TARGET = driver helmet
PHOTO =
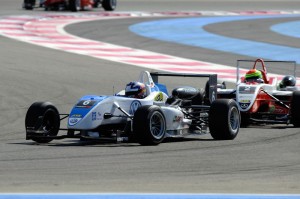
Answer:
(288, 80)
(254, 75)
(135, 90)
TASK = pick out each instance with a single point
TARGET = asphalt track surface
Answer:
(260, 160)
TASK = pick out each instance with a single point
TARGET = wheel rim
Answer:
(113, 4)
(234, 119)
(48, 124)
(78, 4)
(157, 125)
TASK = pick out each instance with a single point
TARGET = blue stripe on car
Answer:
(84, 110)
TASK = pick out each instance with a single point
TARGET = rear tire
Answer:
(149, 125)
(109, 5)
(295, 109)
(42, 116)
(206, 94)
(224, 119)
(75, 5)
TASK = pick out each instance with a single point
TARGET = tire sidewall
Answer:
(142, 125)
(295, 109)
(222, 111)
(109, 5)
(44, 110)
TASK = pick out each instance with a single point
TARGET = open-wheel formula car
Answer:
(264, 99)
(148, 120)
(73, 5)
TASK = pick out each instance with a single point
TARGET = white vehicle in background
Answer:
(148, 121)
(272, 99)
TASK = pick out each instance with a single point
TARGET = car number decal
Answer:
(85, 104)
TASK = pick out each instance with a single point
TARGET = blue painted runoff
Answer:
(190, 31)
(147, 196)
(291, 29)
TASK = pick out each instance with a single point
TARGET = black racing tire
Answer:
(109, 5)
(74, 5)
(295, 109)
(245, 120)
(43, 116)
(29, 4)
(149, 125)
(96, 3)
(224, 119)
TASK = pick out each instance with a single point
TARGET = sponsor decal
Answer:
(134, 106)
(213, 96)
(244, 105)
(76, 116)
(271, 108)
(74, 119)
(188, 90)
(159, 97)
(177, 118)
(245, 101)
(85, 103)
(96, 116)
(279, 111)
(246, 89)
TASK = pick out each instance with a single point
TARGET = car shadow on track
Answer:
(97, 143)
(269, 126)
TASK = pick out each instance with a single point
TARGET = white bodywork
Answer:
(246, 93)
(88, 113)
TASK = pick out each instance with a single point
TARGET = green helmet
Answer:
(253, 74)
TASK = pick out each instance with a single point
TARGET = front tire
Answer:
(295, 109)
(224, 119)
(42, 116)
(149, 125)
(109, 5)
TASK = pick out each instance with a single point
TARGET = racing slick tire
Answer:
(28, 4)
(42, 116)
(295, 109)
(96, 3)
(75, 5)
(224, 119)
(206, 94)
(245, 120)
(149, 125)
(109, 5)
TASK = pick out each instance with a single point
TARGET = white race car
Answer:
(271, 99)
(147, 121)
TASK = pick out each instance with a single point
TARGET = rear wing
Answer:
(211, 86)
(263, 65)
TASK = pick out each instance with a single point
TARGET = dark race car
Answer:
(73, 5)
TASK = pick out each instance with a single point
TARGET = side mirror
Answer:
(107, 115)
(222, 85)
